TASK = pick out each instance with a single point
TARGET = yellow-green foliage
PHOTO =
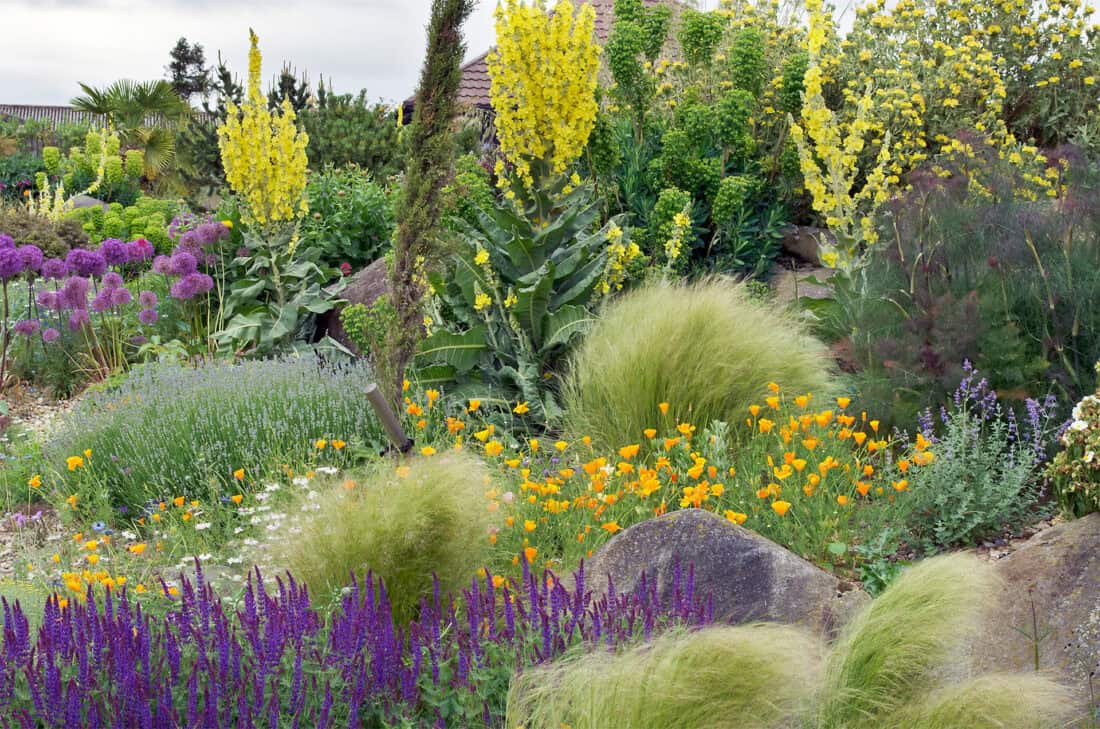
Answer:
(402, 522)
(264, 153)
(543, 90)
(746, 677)
(708, 349)
(887, 671)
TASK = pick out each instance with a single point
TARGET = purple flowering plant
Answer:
(275, 660)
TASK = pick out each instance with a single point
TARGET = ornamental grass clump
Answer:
(405, 525)
(167, 430)
(893, 667)
(707, 348)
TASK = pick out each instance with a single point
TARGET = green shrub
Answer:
(888, 670)
(167, 429)
(346, 129)
(17, 173)
(55, 238)
(405, 525)
(708, 349)
(351, 219)
(749, 677)
(147, 218)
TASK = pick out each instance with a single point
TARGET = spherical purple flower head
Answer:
(75, 293)
(11, 263)
(32, 257)
(112, 280)
(139, 250)
(103, 300)
(148, 317)
(182, 264)
(50, 335)
(86, 263)
(191, 286)
(55, 268)
(6, 241)
(136, 340)
(27, 327)
(211, 232)
(114, 252)
(49, 300)
(120, 296)
(147, 300)
(78, 318)
(162, 264)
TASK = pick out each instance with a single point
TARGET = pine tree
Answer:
(197, 152)
(187, 71)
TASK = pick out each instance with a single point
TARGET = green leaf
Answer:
(532, 301)
(435, 375)
(461, 351)
(838, 548)
(578, 289)
(566, 323)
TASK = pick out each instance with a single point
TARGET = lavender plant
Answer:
(986, 477)
(167, 430)
(276, 662)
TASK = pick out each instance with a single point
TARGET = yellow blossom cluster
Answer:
(543, 83)
(620, 254)
(264, 154)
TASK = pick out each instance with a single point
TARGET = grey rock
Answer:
(87, 201)
(804, 242)
(363, 287)
(748, 577)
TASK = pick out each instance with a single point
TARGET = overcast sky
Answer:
(50, 45)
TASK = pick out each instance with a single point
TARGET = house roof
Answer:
(473, 91)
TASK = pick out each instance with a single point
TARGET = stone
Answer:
(363, 287)
(1055, 577)
(87, 201)
(803, 242)
(790, 285)
(748, 577)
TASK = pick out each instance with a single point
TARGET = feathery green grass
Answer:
(708, 349)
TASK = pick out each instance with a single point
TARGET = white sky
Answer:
(47, 46)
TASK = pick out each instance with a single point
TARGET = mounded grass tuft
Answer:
(746, 677)
(891, 654)
(996, 701)
(404, 525)
(708, 349)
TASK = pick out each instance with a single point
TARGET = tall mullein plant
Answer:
(264, 156)
(427, 173)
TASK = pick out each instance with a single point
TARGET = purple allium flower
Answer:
(27, 327)
(103, 301)
(148, 317)
(191, 285)
(147, 299)
(137, 340)
(120, 296)
(138, 250)
(78, 318)
(162, 264)
(112, 280)
(48, 300)
(11, 263)
(182, 263)
(55, 268)
(75, 293)
(50, 335)
(114, 252)
(32, 257)
(6, 241)
(86, 263)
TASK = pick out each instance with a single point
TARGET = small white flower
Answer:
(202, 526)
(250, 542)
(312, 495)
(1090, 456)
(328, 470)
(301, 481)
(238, 530)
(1079, 425)
(234, 560)
(205, 557)
(273, 527)
(261, 496)
(272, 487)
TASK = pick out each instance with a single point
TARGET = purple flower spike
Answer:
(32, 257)
(55, 268)
(50, 335)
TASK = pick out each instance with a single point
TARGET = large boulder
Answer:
(363, 287)
(1050, 597)
(748, 577)
(804, 242)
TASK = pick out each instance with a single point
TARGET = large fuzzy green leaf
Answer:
(565, 324)
(460, 351)
(532, 302)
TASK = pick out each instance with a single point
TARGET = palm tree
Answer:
(143, 113)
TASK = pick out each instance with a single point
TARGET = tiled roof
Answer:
(474, 89)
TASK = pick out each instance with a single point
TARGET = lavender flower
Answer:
(55, 268)
(27, 327)
(50, 335)
(86, 263)
(114, 252)
(148, 317)
(11, 263)
(147, 299)
(32, 257)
